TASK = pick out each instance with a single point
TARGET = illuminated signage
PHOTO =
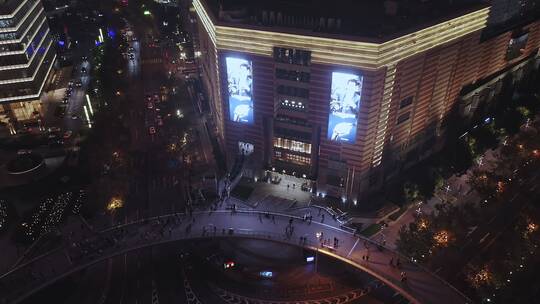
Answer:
(344, 106)
(240, 90)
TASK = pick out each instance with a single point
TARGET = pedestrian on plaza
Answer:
(319, 211)
(322, 219)
(290, 221)
(215, 230)
(367, 257)
(310, 218)
(288, 187)
(403, 277)
(392, 261)
(294, 186)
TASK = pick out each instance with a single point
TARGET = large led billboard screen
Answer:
(344, 106)
(240, 89)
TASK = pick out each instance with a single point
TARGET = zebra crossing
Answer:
(152, 61)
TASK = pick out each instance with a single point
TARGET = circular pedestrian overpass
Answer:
(422, 286)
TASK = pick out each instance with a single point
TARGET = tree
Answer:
(411, 192)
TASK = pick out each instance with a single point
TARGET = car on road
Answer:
(131, 49)
(67, 134)
(74, 117)
(84, 58)
(131, 56)
(83, 70)
(66, 99)
(24, 151)
(54, 129)
(78, 84)
(150, 105)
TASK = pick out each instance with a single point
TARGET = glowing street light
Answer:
(442, 238)
(115, 203)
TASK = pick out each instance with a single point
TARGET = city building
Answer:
(348, 93)
(504, 11)
(26, 58)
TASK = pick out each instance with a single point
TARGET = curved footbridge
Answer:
(421, 285)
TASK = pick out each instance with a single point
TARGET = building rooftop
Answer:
(372, 19)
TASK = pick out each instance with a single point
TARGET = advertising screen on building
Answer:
(344, 106)
(240, 90)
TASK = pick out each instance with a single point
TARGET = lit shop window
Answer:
(291, 104)
(292, 158)
(293, 145)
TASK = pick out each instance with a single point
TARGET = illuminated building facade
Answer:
(346, 101)
(26, 58)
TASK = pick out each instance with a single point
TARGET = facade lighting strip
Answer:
(383, 116)
(26, 65)
(28, 79)
(9, 16)
(343, 52)
(26, 48)
(40, 88)
(16, 28)
(19, 40)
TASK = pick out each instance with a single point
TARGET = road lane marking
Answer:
(484, 238)
(354, 246)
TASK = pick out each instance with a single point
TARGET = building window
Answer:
(292, 56)
(516, 45)
(334, 180)
(292, 158)
(292, 145)
(293, 91)
(405, 102)
(292, 75)
(403, 118)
